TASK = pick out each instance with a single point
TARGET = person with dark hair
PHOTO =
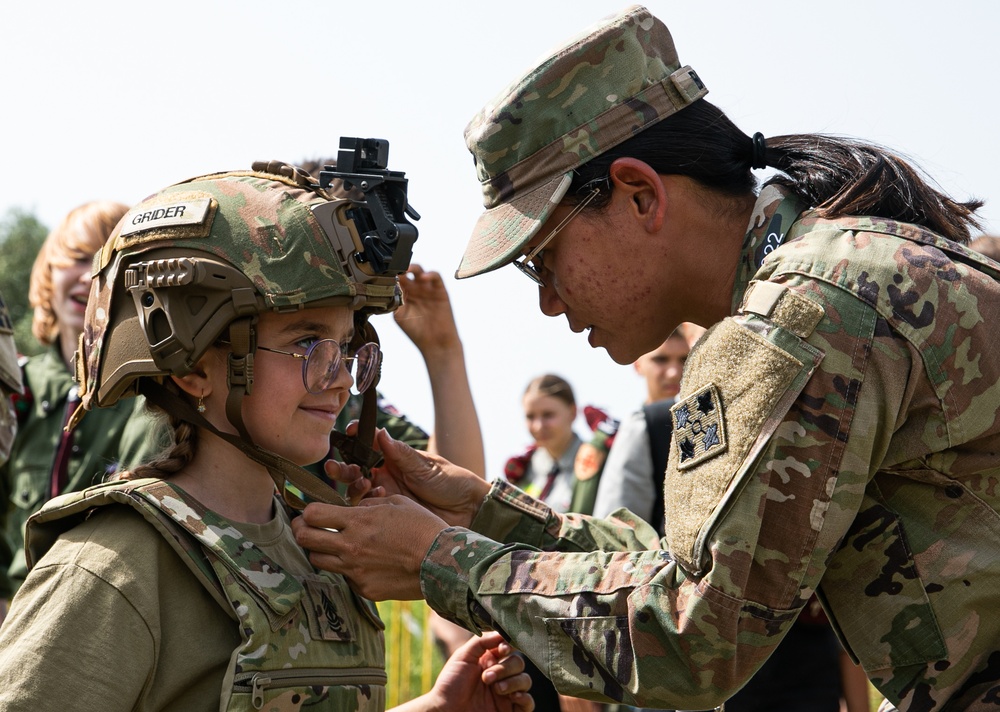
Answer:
(836, 430)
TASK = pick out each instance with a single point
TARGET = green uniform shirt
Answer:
(838, 433)
(26, 479)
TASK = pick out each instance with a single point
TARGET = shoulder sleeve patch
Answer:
(699, 427)
(740, 386)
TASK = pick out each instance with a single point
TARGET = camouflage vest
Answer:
(305, 640)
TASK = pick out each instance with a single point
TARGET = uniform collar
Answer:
(773, 214)
(542, 461)
(51, 381)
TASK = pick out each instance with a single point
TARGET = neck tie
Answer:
(550, 481)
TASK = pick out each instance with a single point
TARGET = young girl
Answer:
(233, 302)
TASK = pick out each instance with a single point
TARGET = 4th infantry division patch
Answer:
(699, 427)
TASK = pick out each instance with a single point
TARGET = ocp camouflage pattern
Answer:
(871, 478)
(571, 122)
(306, 640)
(260, 222)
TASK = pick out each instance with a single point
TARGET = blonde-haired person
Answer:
(44, 460)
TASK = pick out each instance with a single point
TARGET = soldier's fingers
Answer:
(523, 701)
(317, 517)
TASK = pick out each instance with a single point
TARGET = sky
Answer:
(116, 100)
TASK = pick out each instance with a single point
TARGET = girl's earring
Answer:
(201, 402)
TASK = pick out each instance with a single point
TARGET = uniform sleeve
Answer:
(72, 641)
(627, 479)
(608, 616)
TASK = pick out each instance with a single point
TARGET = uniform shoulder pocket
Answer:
(738, 384)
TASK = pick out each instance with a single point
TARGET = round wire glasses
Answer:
(322, 361)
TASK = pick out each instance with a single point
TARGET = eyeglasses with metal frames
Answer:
(322, 361)
(525, 263)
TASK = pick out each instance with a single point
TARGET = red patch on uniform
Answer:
(588, 462)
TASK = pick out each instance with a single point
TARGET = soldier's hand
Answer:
(449, 491)
(378, 546)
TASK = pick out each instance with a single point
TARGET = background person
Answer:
(182, 576)
(10, 382)
(45, 460)
(633, 473)
(858, 445)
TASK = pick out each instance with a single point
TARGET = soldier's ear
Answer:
(640, 186)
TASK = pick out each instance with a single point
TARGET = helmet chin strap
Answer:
(243, 342)
(360, 450)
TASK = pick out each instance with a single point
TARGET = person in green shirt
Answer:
(836, 431)
(46, 461)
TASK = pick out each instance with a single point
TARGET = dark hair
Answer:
(836, 176)
(552, 385)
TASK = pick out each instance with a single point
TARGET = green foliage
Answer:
(21, 236)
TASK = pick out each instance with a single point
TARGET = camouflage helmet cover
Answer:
(188, 261)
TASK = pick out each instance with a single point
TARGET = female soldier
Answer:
(836, 429)
(235, 303)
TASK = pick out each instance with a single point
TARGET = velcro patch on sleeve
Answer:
(784, 307)
(737, 379)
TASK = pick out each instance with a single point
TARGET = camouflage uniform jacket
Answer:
(26, 480)
(838, 433)
(305, 640)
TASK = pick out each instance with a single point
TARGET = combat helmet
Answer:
(199, 261)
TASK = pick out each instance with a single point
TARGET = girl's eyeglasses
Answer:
(321, 364)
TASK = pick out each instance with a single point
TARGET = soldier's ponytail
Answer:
(842, 176)
(836, 176)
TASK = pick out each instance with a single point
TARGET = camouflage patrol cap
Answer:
(606, 85)
(185, 263)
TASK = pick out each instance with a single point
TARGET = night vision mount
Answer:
(386, 235)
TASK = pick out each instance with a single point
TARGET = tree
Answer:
(21, 236)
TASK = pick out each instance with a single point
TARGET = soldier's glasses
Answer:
(531, 263)
(322, 361)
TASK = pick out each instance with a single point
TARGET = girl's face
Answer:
(549, 419)
(70, 291)
(280, 414)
